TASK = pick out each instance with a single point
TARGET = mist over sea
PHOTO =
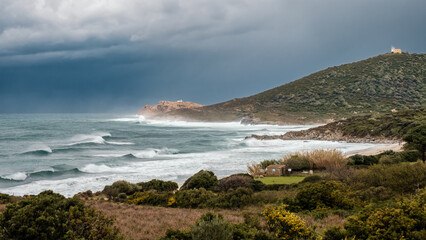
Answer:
(71, 153)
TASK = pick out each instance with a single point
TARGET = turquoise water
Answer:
(70, 153)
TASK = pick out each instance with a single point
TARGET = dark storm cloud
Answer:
(79, 56)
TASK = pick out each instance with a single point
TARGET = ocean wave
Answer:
(38, 149)
(119, 143)
(148, 153)
(102, 168)
(22, 176)
(18, 176)
(94, 138)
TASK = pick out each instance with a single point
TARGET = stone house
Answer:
(275, 170)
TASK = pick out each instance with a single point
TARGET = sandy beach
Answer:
(396, 147)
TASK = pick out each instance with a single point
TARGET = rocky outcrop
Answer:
(320, 133)
(164, 107)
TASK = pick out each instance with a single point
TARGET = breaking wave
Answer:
(22, 176)
(148, 153)
(38, 150)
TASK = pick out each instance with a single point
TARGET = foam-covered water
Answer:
(77, 152)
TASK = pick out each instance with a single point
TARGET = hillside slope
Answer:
(384, 128)
(375, 85)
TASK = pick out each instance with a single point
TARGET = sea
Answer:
(72, 153)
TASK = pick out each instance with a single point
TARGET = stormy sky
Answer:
(116, 56)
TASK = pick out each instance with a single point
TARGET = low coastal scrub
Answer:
(382, 200)
(52, 216)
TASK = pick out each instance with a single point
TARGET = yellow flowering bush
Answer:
(286, 225)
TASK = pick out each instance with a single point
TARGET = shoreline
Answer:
(396, 147)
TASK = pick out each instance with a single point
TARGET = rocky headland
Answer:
(165, 107)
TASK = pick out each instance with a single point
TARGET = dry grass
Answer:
(320, 225)
(331, 160)
(147, 222)
(255, 169)
(2, 207)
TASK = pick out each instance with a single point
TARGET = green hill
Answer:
(375, 85)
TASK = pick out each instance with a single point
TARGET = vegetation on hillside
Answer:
(378, 128)
(375, 85)
(357, 198)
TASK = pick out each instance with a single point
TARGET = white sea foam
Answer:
(147, 153)
(97, 138)
(18, 176)
(102, 168)
(119, 143)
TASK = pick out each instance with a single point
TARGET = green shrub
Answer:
(286, 225)
(112, 191)
(297, 162)
(158, 185)
(193, 198)
(150, 198)
(410, 155)
(416, 139)
(363, 160)
(177, 235)
(122, 196)
(213, 227)
(202, 179)
(405, 219)
(232, 199)
(5, 198)
(311, 179)
(329, 194)
(375, 194)
(400, 178)
(334, 233)
(235, 181)
(52, 216)
(246, 232)
(266, 163)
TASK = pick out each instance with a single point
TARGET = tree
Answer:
(52, 216)
(416, 138)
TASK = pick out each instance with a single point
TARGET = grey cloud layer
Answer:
(122, 54)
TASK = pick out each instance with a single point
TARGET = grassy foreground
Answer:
(280, 180)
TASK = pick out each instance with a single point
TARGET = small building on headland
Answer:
(395, 50)
(275, 170)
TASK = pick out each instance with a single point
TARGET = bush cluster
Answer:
(214, 226)
(235, 181)
(286, 225)
(52, 216)
(118, 187)
(400, 178)
(388, 157)
(202, 179)
(323, 195)
(405, 219)
(158, 185)
(151, 198)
